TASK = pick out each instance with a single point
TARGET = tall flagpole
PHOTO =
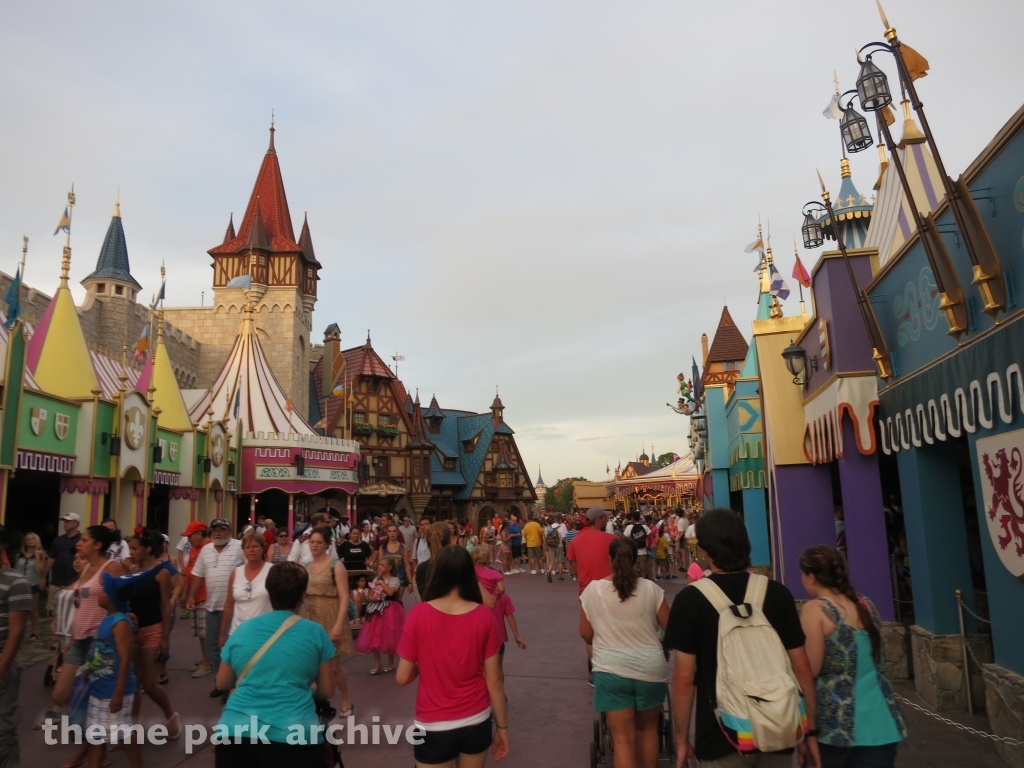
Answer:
(65, 265)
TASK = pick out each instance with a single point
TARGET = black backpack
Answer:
(638, 535)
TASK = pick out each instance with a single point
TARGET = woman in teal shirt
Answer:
(859, 721)
(276, 690)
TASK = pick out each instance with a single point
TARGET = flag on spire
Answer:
(142, 344)
(64, 223)
(757, 245)
(696, 386)
(160, 296)
(800, 274)
(779, 288)
(916, 64)
(834, 110)
(238, 402)
(13, 299)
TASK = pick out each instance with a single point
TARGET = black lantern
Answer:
(158, 453)
(796, 361)
(300, 464)
(207, 465)
(811, 230)
(855, 131)
(231, 469)
(873, 88)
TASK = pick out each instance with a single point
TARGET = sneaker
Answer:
(533, 572)
(561, 578)
(217, 692)
(202, 670)
(508, 573)
(590, 679)
(549, 577)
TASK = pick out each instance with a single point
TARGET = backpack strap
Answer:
(714, 594)
(757, 588)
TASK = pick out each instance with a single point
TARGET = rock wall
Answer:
(938, 669)
(1004, 701)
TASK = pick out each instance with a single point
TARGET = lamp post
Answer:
(874, 94)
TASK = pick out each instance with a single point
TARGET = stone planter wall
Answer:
(938, 669)
(896, 652)
(1004, 701)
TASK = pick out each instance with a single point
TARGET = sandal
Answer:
(349, 711)
(377, 671)
(387, 669)
(175, 718)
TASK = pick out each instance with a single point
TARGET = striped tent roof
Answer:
(247, 377)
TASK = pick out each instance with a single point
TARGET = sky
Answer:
(547, 197)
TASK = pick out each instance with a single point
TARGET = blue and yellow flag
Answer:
(13, 299)
(142, 344)
(64, 223)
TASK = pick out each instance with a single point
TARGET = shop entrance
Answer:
(33, 504)
(158, 507)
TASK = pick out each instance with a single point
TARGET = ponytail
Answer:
(623, 553)
(827, 566)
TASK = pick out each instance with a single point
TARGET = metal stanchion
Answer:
(963, 648)
(895, 589)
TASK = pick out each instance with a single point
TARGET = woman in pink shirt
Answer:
(455, 703)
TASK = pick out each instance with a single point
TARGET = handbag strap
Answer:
(287, 624)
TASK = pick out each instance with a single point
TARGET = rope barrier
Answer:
(1002, 739)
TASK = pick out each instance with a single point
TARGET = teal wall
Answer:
(717, 453)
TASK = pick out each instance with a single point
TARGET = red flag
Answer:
(800, 274)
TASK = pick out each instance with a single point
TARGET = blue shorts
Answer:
(613, 693)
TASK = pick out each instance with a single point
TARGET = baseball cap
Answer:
(595, 513)
(194, 527)
(71, 516)
(219, 522)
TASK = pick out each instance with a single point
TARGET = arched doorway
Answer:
(485, 517)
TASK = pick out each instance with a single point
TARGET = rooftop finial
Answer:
(835, 81)
(271, 147)
(117, 203)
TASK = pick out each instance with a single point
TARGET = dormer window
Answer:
(449, 465)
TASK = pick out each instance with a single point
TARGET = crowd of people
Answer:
(275, 612)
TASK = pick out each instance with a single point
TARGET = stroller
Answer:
(601, 746)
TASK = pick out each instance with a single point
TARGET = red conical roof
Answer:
(729, 344)
(269, 197)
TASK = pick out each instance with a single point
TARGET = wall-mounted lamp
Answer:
(115, 442)
(158, 453)
(300, 465)
(797, 363)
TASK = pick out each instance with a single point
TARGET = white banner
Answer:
(319, 474)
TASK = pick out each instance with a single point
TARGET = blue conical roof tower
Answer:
(112, 266)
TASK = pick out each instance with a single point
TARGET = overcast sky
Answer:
(552, 197)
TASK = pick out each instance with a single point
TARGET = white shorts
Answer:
(100, 714)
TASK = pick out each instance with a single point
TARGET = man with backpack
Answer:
(637, 532)
(739, 651)
(554, 536)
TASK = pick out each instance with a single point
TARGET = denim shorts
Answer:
(445, 746)
(613, 693)
(75, 655)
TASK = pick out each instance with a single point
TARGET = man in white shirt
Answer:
(119, 549)
(637, 532)
(421, 549)
(408, 531)
(213, 568)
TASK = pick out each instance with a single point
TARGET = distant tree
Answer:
(559, 496)
(665, 459)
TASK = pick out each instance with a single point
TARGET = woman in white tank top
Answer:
(247, 587)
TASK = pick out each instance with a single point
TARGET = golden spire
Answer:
(844, 166)
(65, 262)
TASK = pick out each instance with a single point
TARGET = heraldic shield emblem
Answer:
(61, 424)
(134, 428)
(217, 452)
(1000, 467)
(172, 449)
(37, 420)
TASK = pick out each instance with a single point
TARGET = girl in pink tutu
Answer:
(384, 618)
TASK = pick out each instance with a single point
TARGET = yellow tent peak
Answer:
(173, 414)
(65, 367)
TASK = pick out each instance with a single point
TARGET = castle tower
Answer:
(284, 273)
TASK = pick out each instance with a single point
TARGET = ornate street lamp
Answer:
(873, 89)
(855, 130)
(811, 230)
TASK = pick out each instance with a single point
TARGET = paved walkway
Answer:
(550, 703)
